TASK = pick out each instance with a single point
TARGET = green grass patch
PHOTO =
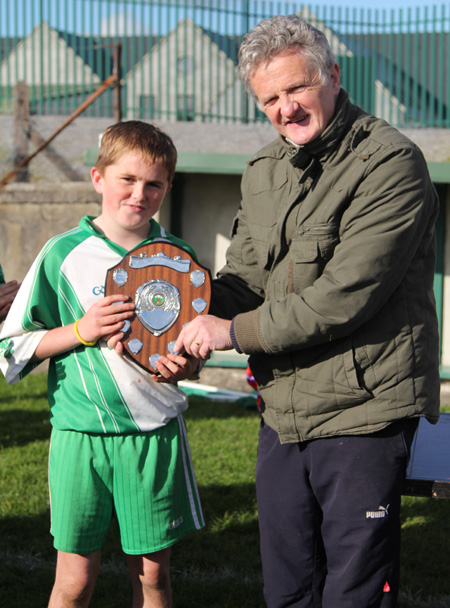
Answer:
(218, 567)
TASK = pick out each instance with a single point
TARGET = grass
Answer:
(218, 567)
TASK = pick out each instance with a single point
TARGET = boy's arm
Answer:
(103, 319)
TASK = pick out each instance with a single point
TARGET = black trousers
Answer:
(329, 517)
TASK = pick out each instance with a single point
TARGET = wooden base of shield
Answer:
(169, 289)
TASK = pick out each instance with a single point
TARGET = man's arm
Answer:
(240, 285)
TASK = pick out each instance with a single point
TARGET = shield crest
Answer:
(157, 305)
(169, 289)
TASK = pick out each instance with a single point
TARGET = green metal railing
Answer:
(178, 58)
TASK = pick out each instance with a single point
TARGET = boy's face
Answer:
(132, 192)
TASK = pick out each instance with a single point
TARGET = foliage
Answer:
(218, 567)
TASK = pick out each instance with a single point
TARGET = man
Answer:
(329, 287)
(8, 292)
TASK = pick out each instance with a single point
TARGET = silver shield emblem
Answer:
(199, 305)
(157, 306)
(120, 276)
(135, 346)
(153, 359)
(198, 277)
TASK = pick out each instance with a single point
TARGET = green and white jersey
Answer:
(2, 277)
(90, 389)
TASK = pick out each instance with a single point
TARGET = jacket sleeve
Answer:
(387, 227)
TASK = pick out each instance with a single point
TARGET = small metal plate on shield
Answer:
(169, 289)
(135, 346)
(198, 277)
(199, 305)
(153, 359)
(120, 276)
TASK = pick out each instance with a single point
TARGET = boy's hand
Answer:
(105, 319)
(8, 292)
(174, 368)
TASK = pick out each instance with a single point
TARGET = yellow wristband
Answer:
(75, 328)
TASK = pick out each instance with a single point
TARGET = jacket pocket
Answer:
(353, 368)
(263, 255)
(261, 234)
(327, 380)
(311, 248)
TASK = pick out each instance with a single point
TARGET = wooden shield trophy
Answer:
(169, 289)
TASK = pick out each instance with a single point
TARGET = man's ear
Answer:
(97, 180)
(335, 74)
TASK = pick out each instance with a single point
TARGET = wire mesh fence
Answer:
(178, 59)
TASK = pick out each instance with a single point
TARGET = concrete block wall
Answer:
(31, 213)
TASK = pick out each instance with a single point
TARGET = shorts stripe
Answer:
(191, 484)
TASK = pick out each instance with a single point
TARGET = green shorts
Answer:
(147, 480)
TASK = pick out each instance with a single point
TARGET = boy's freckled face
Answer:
(132, 192)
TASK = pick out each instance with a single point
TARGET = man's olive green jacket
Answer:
(329, 279)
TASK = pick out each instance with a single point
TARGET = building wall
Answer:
(210, 203)
(64, 159)
(32, 213)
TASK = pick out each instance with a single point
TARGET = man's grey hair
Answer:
(272, 36)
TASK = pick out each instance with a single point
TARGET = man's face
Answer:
(292, 96)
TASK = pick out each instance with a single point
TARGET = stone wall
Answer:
(32, 213)
(64, 159)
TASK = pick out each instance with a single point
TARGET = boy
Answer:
(118, 439)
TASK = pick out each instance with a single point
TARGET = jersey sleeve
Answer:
(31, 315)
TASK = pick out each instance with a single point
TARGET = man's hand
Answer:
(203, 335)
(8, 292)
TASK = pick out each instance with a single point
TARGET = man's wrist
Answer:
(233, 338)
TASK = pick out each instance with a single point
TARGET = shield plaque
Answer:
(169, 289)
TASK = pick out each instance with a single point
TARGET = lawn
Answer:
(218, 567)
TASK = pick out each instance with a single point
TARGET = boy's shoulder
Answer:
(60, 244)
